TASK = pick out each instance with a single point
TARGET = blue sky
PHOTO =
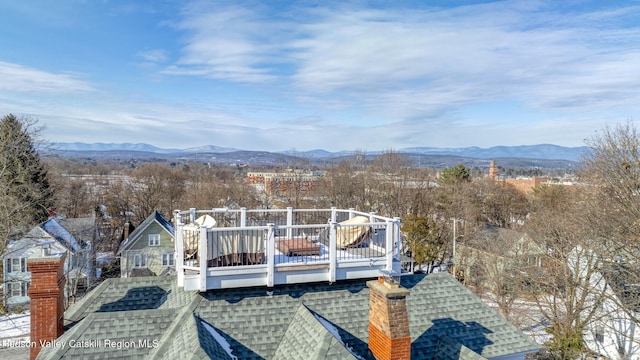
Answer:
(343, 75)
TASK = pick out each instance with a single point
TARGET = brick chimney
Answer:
(125, 235)
(389, 337)
(47, 300)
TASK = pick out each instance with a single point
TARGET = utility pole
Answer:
(455, 239)
(454, 247)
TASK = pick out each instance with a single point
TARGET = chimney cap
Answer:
(391, 277)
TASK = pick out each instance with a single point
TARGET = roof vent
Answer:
(45, 248)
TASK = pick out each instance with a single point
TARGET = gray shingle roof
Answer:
(303, 321)
(129, 335)
(308, 338)
(449, 349)
(142, 293)
(438, 305)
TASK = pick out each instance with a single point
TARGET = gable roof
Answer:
(155, 217)
(310, 336)
(502, 242)
(301, 321)
(73, 234)
(25, 245)
(54, 227)
(84, 230)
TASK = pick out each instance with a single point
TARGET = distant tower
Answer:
(493, 170)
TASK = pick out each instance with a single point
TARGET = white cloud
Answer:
(344, 77)
(154, 55)
(21, 78)
(421, 62)
(225, 43)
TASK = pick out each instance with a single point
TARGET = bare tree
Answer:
(570, 288)
(343, 185)
(612, 170)
(394, 185)
(498, 204)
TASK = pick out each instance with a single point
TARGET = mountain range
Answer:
(540, 152)
(541, 157)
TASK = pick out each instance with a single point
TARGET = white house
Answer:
(616, 332)
(55, 236)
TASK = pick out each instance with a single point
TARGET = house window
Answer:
(16, 264)
(154, 239)
(167, 259)
(599, 334)
(139, 260)
(17, 288)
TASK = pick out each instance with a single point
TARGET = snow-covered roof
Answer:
(61, 234)
(72, 234)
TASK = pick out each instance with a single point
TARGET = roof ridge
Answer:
(327, 338)
(182, 315)
(154, 217)
(291, 320)
(88, 298)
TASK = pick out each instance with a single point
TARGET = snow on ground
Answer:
(528, 317)
(14, 328)
(103, 258)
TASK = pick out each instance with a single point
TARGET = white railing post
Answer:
(398, 237)
(179, 248)
(204, 253)
(192, 215)
(334, 212)
(271, 255)
(243, 217)
(289, 222)
(352, 213)
(390, 235)
(333, 250)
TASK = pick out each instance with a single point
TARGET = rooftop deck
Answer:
(222, 248)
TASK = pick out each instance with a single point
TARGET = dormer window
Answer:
(154, 239)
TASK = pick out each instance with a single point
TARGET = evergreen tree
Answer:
(456, 174)
(424, 238)
(24, 186)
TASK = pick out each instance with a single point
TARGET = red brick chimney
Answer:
(389, 337)
(47, 300)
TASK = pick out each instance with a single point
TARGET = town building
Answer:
(282, 182)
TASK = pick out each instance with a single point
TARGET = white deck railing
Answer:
(242, 248)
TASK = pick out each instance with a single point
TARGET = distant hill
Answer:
(542, 151)
(542, 156)
(80, 146)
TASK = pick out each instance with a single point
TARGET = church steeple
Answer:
(493, 170)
